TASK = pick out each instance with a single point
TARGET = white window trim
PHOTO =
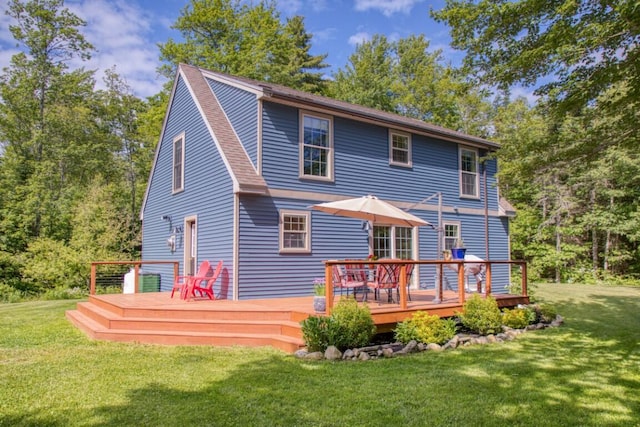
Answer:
(477, 173)
(330, 163)
(409, 155)
(307, 240)
(173, 164)
(444, 237)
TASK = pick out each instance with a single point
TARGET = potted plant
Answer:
(320, 295)
(372, 257)
(458, 250)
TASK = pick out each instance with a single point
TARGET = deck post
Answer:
(461, 289)
(438, 298)
(136, 277)
(487, 278)
(92, 285)
(524, 278)
(328, 288)
(403, 286)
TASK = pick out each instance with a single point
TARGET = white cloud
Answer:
(323, 35)
(359, 38)
(120, 32)
(386, 7)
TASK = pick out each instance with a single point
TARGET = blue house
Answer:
(240, 162)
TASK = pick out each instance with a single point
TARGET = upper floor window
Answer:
(295, 231)
(451, 235)
(178, 163)
(469, 177)
(399, 149)
(316, 147)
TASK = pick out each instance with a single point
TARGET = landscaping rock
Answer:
(316, 355)
(332, 353)
(462, 339)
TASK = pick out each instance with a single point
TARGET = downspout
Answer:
(486, 211)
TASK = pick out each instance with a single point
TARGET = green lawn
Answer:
(585, 373)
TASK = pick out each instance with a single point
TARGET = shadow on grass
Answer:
(585, 373)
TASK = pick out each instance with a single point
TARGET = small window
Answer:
(399, 149)
(178, 163)
(451, 235)
(469, 177)
(316, 147)
(295, 231)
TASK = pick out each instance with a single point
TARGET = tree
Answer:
(44, 123)
(405, 78)
(233, 37)
(587, 46)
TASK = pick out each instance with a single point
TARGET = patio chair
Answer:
(208, 287)
(350, 276)
(185, 284)
(387, 278)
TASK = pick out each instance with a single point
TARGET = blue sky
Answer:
(126, 33)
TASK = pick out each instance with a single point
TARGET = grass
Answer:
(585, 373)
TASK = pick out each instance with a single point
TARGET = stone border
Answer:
(399, 349)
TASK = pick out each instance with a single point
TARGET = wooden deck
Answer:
(156, 318)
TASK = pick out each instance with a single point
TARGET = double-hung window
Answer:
(399, 148)
(178, 163)
(451, 234)
(316, 146)
(469, 177)
(295, 231)
(392, 242)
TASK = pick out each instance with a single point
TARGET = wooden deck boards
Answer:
(156, 318)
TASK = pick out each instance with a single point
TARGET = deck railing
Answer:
(136, 267)
(402, 284)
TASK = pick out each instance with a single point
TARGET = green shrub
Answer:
(481, 315)
(349, 326)
(406, 331)
(547, 313)
(11, 294)
(63, 293)
(425, 328)
(318, 332)
(518, 318)
(355, 324)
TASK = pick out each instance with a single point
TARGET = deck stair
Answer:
(154, 318)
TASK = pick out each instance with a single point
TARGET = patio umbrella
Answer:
(370, 208)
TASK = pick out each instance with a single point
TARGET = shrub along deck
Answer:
(155, 318)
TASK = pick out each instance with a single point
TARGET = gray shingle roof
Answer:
(245, 176)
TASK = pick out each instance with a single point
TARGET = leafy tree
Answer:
(44, 123)
(405, 78)
(233, 37)
(585, 46)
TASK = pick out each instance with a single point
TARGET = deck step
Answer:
(109, 320)
(97, 331)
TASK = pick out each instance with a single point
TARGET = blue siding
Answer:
(208, 193)
(241, 108)
(361, 153)
(264, 273)
(361, 167)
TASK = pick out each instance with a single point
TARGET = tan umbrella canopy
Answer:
(370, 208)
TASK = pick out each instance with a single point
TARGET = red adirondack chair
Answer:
(208, 287)
(186, 284)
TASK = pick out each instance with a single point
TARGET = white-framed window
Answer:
(399, 148)
(392, 242)
(469, 177)
(295, 231)
(316, 146)
(178, 163)
(451, 234)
